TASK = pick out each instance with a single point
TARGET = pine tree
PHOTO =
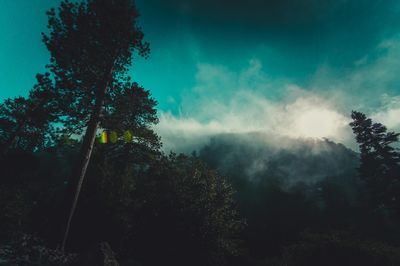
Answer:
(379, 160)
(91, 45)
(130, 109)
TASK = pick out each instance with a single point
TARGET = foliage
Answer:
(131, 108)
(26, 123)
(379, 161)
(171, 206)
(91, 44)
(27, 250)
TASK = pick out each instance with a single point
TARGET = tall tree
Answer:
(379, 161)
(91, 45)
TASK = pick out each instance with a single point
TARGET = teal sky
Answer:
(207, 54)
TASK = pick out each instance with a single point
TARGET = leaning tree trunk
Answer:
(86, 151)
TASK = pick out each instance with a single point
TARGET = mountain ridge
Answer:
(257, 156)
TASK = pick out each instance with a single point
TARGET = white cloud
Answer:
(239, 107)
(389, 113)
(248, 100)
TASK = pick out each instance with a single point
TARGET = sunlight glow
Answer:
(318, 123)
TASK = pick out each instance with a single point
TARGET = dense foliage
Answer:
(379, 168)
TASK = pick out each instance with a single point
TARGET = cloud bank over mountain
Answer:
(225, 100)
(263, 158)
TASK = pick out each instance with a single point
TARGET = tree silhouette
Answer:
(175, 207)
(25, 123)
(91, 45)
(129, 109)
(379, 162)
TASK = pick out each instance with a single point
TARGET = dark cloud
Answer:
(340, 31)
(250, 12)
(291, 15)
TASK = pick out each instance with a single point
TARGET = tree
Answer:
(91, 45)
(26, 123)
(379, 161)
(130, 109)
(172, 206)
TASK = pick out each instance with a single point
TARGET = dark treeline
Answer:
(67, 198)
(305, 202)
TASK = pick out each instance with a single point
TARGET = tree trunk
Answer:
(86, 151)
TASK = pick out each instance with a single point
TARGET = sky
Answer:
(294, 68)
